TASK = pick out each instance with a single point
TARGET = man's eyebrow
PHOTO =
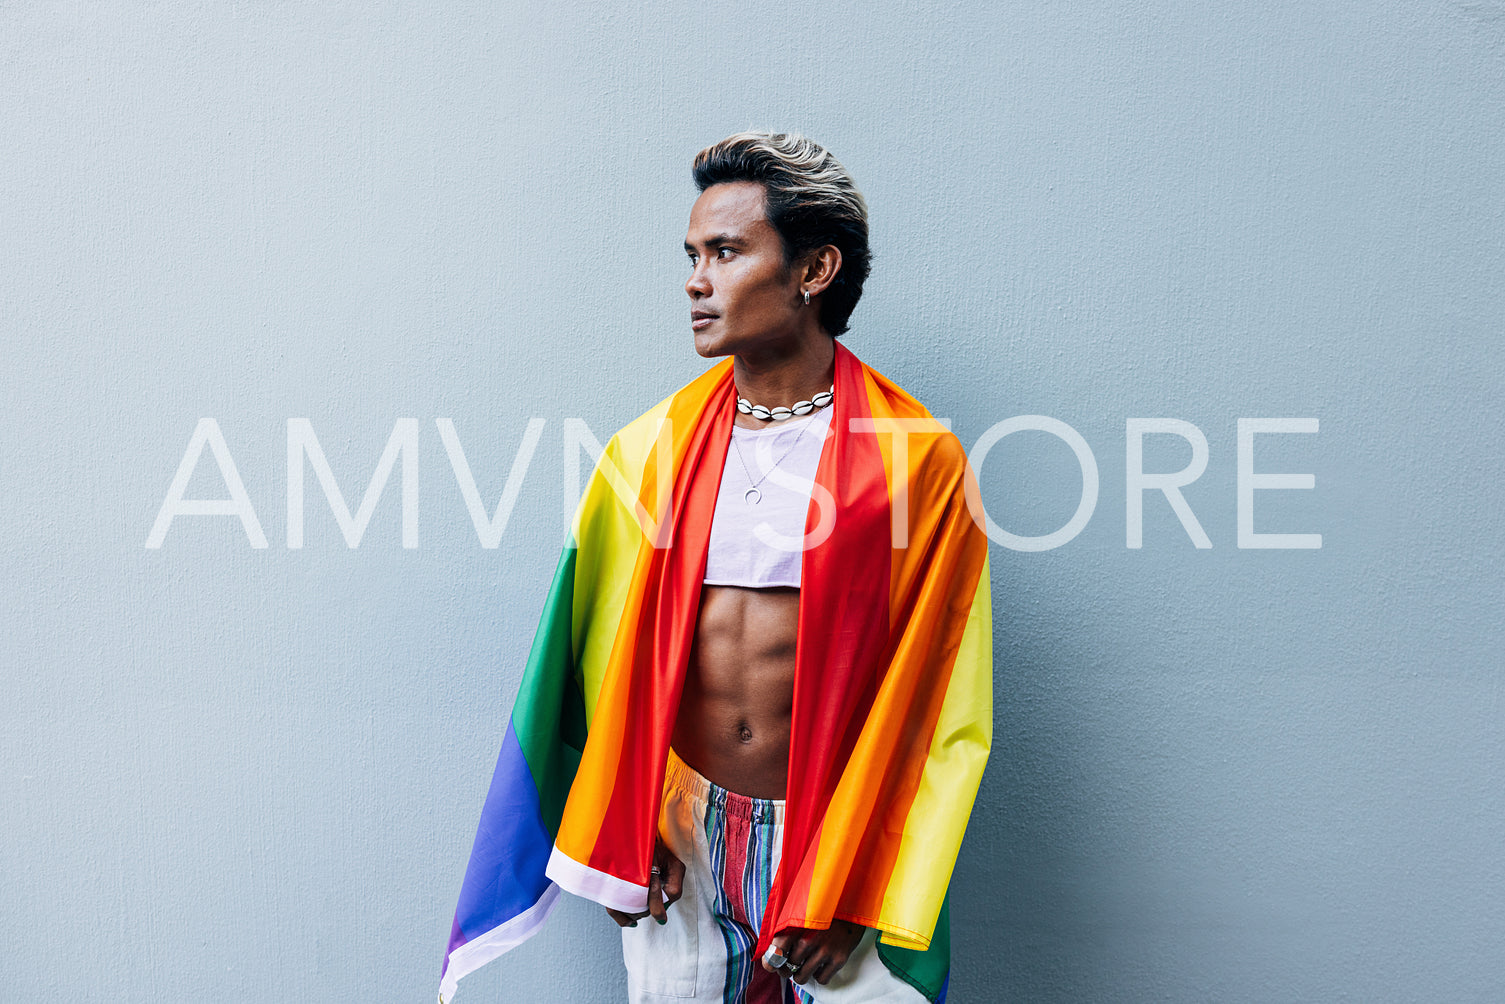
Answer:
(721, 238)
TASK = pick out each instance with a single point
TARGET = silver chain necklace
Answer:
(752, 496)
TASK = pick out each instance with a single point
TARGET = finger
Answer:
(810, 965)
(671, 871)
(674, 877)
(829, 968)
(804, 954)
(656, 907)
(624, 919)
(778, 948)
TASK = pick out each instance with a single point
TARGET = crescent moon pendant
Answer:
(752, 496)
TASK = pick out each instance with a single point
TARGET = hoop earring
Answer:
(807, 298)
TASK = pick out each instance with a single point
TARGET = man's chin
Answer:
(710, 348)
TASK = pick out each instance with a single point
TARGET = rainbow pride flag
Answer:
(892, 716)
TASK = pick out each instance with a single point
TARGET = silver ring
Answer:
(792, 968)
(655, 872)
(778, 960)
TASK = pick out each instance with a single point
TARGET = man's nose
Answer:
(698, 285)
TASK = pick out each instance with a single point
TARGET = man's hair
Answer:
(810, 200)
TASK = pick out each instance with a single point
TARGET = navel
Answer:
(744, 733)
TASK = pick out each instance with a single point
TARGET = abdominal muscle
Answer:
(734, 713)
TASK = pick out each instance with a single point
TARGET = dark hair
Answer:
(810, 200)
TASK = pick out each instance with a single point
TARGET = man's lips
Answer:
(701, 319)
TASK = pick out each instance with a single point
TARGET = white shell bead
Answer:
(780, 413)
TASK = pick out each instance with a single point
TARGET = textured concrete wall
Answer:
(1223, 774)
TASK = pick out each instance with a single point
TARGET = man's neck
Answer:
(783, 380)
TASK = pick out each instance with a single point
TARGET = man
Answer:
(759, 703)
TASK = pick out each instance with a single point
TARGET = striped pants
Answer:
(730, 845)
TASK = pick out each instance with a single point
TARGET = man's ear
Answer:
(821, 266)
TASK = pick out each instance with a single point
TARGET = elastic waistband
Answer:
(686, 780)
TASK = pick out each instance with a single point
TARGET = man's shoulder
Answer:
(935, 454)
(932, 445)
(641, 431)
(638, 437)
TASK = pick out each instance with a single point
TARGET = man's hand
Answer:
(664, 887)
(815, 954)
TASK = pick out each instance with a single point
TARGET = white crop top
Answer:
(760, 544)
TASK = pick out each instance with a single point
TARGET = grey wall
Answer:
(1233, 775)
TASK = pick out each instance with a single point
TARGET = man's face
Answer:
(743, 298)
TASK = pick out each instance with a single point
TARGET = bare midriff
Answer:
(734, 714)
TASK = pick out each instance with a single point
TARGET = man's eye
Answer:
(723, 252)
(692, 260)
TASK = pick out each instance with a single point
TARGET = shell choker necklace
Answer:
(780, 413)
